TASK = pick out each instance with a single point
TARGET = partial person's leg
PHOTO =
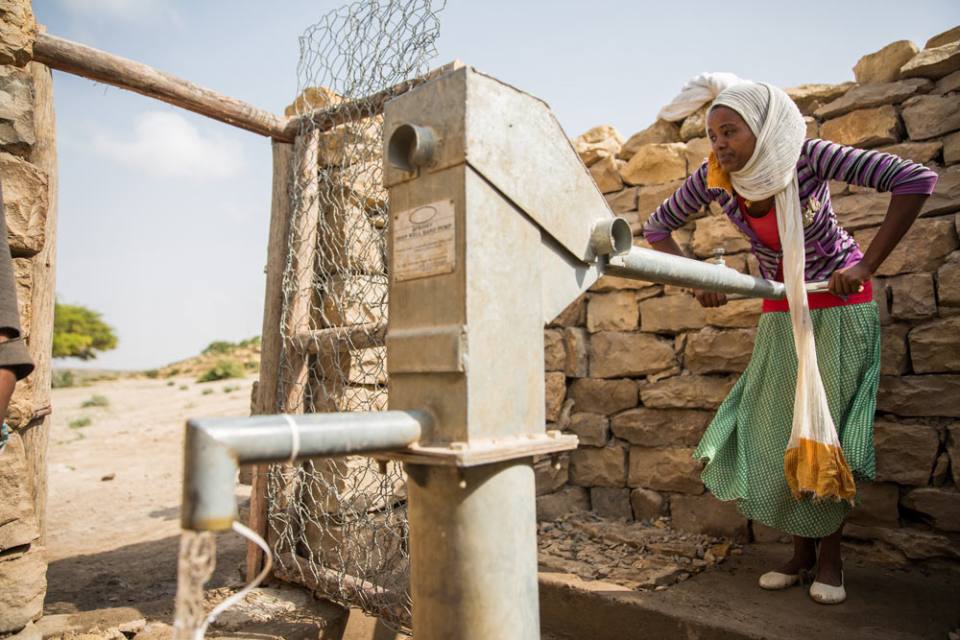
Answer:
(830, 567)
(804, 556)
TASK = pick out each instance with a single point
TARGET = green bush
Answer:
(183, 387)
(171, 383)
(230, 388)
(96, 400)
(151, 373)
(62, 379)
(219, 346)
(79, 423)
(221, 371)
(206, 392)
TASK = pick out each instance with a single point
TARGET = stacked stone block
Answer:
(638, 370)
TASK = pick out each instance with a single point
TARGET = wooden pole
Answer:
(271, 339)
(44, 156)
(87, 62)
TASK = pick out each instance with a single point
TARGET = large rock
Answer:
(567, 500)
(946, 37)
(935, 346)
(933, 63)
(913, 296)
(349, 241)
(884, 65)
(665, 470)
(923, 248)
(555, 392)
(576, 344)
(599, 142)
(951, 148)
(655, 163)
(809, 97)
(614, 311)
(574, 315)
(932, 395)
(893, 350)
(643, 290)
(736, 314)
(623, 201)
(17, 135)
(948, 281)
(18, 522)
(611, 502)
(946, 195)
(25, 198)
(920, 152)
(554, 353)
(651, 197)
(718, 350)
(861, 210)
(697, 152)
(661, 427)
(606, 173)
(311, 99)
(878, 505)
(604, 467)
(550, 476)
(18, 30)
(706, 514)
(931, 116)
(646, 504)
(942, 506)
(688, 392)
(914, 544)
(695, 124)
(593, 429)
(23, 584)
(873, 95)
(671, 314)
(659, 132)
(714, 232)
(947, 84)
(864, 127)
(616, 354)
(603, 396)
(354, 300)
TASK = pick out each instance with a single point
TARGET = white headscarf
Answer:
(772, 171)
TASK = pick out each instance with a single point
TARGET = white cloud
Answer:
(166, 145)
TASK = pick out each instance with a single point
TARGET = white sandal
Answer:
(827, 593)
(775, 581)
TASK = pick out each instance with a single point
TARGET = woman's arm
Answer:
(902, 211)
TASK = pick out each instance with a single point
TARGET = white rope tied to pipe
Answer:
(294, 438)
(253, 537)
(814, 463)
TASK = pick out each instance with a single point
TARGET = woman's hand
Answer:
(845, 282)
(709, 298)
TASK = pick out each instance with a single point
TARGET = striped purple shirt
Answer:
(828, 245)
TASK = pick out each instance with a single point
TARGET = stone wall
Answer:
(28, 173)
(637, 370)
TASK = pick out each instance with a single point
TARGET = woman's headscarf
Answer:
(813, 462)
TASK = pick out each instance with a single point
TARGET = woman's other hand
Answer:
(845, 282)
(710, 298)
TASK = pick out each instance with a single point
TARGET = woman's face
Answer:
(730, 137)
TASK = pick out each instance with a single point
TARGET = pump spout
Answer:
(215, 447)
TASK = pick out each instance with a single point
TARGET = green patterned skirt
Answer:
(745, 443)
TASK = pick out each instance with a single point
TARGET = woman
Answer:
(773, 185)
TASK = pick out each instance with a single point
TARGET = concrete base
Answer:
(725, 603)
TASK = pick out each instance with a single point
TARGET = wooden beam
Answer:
(271, 339)
(87, 62)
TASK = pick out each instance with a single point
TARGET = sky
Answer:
(163, 214)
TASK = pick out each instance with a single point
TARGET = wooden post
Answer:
(44, 156)
(87, 62)
(271, 338)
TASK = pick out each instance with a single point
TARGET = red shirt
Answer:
(766, 229)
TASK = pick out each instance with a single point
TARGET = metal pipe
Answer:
(214, 448)
(664, 268)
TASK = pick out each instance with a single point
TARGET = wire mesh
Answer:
(344, 520)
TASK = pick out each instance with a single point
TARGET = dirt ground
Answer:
(114, 489)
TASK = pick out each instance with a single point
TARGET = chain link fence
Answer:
(341, 523)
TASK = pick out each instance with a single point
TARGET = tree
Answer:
(79, 332)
